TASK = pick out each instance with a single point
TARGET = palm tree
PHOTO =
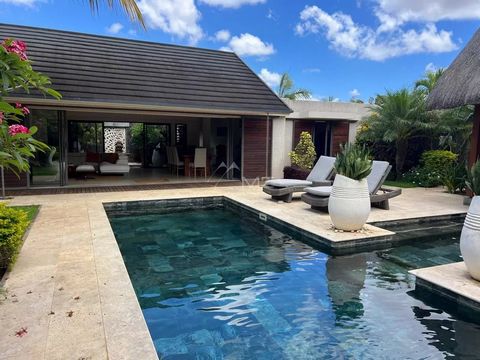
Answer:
(286, 89)
(398, 117)
(129, 6)
(427, 83)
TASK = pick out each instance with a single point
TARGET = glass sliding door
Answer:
(85, 137)
(45, 167)
(157, 138)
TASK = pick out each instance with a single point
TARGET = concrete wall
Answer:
(283, 130)
(324, 110)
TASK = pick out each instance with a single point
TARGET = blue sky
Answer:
(335, 48)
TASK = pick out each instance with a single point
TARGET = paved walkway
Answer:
(69, 295)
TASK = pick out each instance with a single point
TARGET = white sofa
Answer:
(120, 167)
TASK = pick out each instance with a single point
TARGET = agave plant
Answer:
(354, 162)
(473, 178)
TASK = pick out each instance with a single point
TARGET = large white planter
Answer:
(470, 239)
(349, 203)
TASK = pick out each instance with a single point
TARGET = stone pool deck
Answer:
(451, 281)
(69, 295)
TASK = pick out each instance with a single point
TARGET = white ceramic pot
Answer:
(470, 239)
(349, 203)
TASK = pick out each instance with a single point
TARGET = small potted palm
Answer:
(349, 202)
(470, 237)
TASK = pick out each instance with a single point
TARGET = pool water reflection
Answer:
(214, 285)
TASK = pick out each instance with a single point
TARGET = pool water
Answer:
(214, 285)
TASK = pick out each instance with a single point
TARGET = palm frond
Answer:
(129, 6)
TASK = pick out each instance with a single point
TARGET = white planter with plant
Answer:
(470, 237)
(349, 202)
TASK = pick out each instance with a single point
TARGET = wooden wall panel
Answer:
(12, 181)
(255, 162)
(339, 135)
(300, 126)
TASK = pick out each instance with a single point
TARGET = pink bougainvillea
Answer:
(25, 110)
(17, 47)
(17, 129)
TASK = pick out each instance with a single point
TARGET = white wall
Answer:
(279, 147)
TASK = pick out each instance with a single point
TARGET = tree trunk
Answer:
(401, 154)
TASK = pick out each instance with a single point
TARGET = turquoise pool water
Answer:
(214, 285)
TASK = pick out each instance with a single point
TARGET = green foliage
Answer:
(473, 178)
(437, 160)
(428, 82)
(454, 178)
(304, 154)
(16, 148)
(422, 177)
(13, 224)
(396, 118)
(286, 89)
(353, 162)
(437, 167)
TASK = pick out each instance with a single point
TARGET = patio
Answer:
(70, 289)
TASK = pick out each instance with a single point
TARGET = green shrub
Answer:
(353, 162)
(13, 224)
(304, 154)
(473, 178)
(436, 168)
(423, 177)
(454, 178)
(436, 161)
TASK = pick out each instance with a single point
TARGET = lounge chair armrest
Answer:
(323, 183)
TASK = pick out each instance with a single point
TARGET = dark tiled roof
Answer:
(112, 70)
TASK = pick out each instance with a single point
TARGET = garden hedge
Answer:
(13, 224)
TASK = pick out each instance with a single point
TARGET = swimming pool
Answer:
(216, 285)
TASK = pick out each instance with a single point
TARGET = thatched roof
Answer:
(460, 83)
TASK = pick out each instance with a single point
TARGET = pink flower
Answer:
(17, 47)
(17, 129)
(1, 117)
(25, 110)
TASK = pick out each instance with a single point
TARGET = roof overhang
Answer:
(101, 105)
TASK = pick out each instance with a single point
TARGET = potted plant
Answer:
(349, 202)
(470, 237)
(303, 158)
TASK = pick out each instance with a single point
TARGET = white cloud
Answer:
(115, 28)
(234, 4)
(29, 3)
(176, 17)
(222, 35)
(354, 93)
(132, 32)
(355, 40)
(430, 68)
(270, 78)
(249, 45)
(429, 11)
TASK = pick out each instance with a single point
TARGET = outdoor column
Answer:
(279, 150)
(475, 140)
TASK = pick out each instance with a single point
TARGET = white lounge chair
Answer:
(283, 189)
(318, 197)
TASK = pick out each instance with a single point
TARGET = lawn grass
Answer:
(31, 210)
(401, 184)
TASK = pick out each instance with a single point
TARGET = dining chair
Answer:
(200, 161)
(179, 165)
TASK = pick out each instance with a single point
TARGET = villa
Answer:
(148, 97)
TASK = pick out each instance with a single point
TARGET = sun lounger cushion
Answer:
(378, 172)
(323, 191)
(281, 183)
(322, 169)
